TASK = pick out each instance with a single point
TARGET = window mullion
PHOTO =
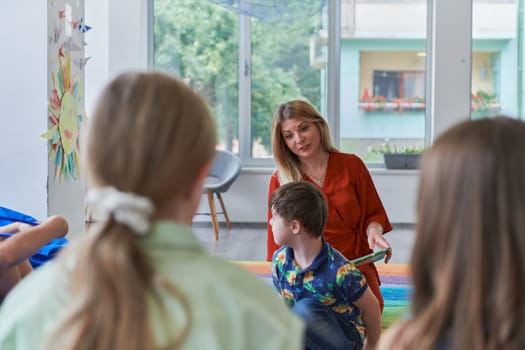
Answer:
(449, 47)
(244, 88)
(333, 68)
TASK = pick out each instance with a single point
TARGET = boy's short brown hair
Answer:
(304, 202)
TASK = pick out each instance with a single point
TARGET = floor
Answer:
(248, 241)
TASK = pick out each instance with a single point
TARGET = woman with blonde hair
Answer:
(140, 279)
(303, 150)
(468, 264)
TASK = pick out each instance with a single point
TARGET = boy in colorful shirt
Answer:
(316, 281)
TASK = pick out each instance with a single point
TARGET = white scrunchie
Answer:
(127, 208)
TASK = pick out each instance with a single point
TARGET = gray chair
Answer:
(224, 171)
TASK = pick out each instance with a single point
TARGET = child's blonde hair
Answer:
(149, 135)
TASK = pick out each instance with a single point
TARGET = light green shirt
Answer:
(230, 307)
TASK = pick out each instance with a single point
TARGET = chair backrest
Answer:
(225, 169)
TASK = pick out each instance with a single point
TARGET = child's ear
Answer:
(296, 227)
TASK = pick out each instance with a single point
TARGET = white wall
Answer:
(246, 201)
(117, 42)
(27, 183)
(23, 106)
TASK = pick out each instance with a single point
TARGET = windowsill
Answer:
(374, 170)
(257, 170)
(385, 171)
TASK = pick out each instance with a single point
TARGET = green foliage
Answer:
(193, 42)
(198, 41)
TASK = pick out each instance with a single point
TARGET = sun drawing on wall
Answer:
(65, 118)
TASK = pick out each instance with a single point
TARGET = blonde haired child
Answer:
(140, 279)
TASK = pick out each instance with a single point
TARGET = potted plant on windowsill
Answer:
(401, 157)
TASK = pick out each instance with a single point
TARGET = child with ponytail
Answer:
(140, 279)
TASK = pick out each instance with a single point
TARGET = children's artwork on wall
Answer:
(65, 119)
(66, 31)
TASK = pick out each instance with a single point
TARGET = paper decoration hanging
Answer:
(66, 61)
(81, 26)
(65, 117)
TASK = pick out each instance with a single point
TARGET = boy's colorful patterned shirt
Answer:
(331, 279)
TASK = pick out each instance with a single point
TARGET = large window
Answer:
(286, 64)
(245, 61)
(248, 62)
(199, 42)
(382, 77)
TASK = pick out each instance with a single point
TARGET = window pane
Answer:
(198, 41)
(496, 59)
(288, 62)
(382, 76)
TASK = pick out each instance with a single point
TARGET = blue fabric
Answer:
(325, 328)
(45, 253)
(8, 216)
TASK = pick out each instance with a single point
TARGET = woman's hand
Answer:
(374, 233)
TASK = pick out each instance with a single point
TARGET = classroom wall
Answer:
(246, 201)
(23, 106)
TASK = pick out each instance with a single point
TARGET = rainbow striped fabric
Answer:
(396, 286)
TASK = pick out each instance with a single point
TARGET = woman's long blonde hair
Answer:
(149, 135)
(468, 260)
(287, 162)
